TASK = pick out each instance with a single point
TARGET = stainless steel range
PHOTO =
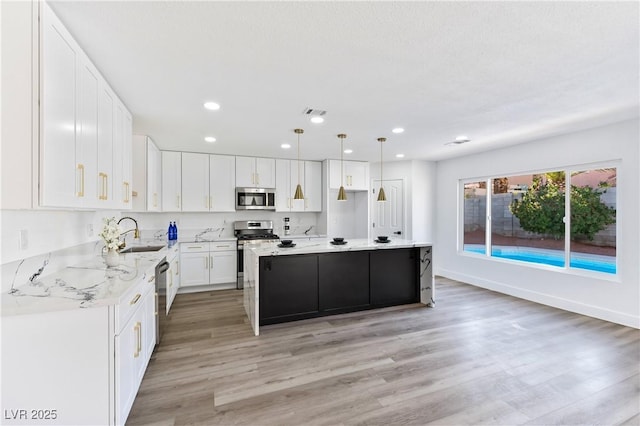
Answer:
(248, 232)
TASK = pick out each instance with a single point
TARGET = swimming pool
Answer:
(592, 262)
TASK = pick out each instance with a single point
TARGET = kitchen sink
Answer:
(141, 249)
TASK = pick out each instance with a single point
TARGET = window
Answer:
(475, 217)
(530, 215)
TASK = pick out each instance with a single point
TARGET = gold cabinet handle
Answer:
(126, 192)
(135, 299)
(151, 278)
(177, 267)
(106, 186)
(155, 199)
(81, 170)
(194, 247)
(136, 330)
(101, 196)
(178, 201)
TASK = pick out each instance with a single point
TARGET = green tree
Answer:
(541, 209)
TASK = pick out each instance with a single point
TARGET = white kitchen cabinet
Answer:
(173, 276)
(134, 343)
(287, 180)
(222, 183)
(223, 262)
(122, 158)
(195, 182)
(356, 175)
(78, 147)
(104, 179)
(313, 186)
(208, 263)
(147, 174)
(171, 181)
(208, 182)
(61, 169)
(80, 366)
(254, 172)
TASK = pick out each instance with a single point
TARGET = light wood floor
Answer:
(478, 357)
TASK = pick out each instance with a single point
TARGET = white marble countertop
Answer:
(325, 245)
(85, 285)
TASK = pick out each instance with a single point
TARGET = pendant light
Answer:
(381, 194)
(342, 195)
(298, 194)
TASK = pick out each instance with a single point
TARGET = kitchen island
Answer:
(318, 278)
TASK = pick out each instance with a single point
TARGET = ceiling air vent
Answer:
(313, 112)
(459, 141)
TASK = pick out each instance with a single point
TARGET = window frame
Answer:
(568, 170)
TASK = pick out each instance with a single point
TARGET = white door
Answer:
(313, 186)
(245, 172)
(195, 269)
(222, 183)
(265, 173)
(171, 181)
(195, 182)
(387, 218)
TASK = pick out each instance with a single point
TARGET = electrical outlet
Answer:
(90, 230)
(23, 239)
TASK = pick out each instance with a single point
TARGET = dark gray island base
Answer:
(317, 278)
(312, 285)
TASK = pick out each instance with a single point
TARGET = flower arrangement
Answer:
(111, 234)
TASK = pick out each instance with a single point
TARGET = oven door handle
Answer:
(163, 267)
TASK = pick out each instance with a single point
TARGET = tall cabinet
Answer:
(147, 179)
(82, 140)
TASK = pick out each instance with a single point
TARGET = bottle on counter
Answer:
(170, 232)
(175, 231)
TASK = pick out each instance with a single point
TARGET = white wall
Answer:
(419, 194)
(48, 230)
(610, 300)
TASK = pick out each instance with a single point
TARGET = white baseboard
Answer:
(544, 299)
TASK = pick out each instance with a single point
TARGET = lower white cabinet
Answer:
(208, 263)
(134, 345)
(78, 366)
(173, 278)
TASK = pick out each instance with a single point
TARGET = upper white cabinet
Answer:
(287, 178)
(208, 182)
(222, 184)
(171, 181)
(122, 163)
(81, 141)
(355, 178)
(312, 186)
(255, 172)
(147, 178)
(195, 182)
(62, 172)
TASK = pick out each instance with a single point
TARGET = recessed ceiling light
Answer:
(399, 155)
(285, 146)
(212, 106)
(348, 151)
(317, 119)
(210, 139)
(398, 130)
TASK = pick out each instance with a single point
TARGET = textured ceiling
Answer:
(499, 72)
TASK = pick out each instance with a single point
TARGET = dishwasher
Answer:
(161, 298)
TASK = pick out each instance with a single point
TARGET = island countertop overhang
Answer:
(324, 245)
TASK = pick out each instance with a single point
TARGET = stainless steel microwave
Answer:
(255, 199)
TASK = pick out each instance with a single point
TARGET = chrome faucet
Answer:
(136, 230)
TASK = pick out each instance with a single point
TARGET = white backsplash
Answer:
(57, 239)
